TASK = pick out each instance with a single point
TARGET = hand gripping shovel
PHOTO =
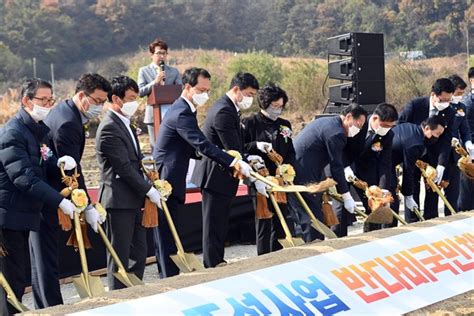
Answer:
(127, 278)
(422, 166)
(288, 241)
(11, 297)
(186, 262)
(86, 285)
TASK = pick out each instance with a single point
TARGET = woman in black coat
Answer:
(267, 126)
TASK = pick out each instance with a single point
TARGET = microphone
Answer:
(162, 68)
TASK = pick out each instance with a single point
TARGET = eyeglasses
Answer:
(161, 53)
(46, 100)
(97, 102)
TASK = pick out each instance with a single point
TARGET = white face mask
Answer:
(129, 108)
(353, 131)
(94, 111)
(200, 98)
(245, 103)
(456, 99)
(382, 131)
(272, 113)
(39, 113)
(440, 106)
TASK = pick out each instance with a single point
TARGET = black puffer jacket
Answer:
(23, 190)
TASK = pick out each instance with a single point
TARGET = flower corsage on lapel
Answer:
(45, 152)
(286, 132)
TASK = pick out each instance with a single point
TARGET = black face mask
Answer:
(431, 141)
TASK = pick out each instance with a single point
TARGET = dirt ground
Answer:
(462, 304)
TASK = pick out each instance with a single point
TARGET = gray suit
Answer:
(122, 192)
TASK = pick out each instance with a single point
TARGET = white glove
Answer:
(439, 174)
(470, 148)
(264, 147)
(245, 168)
(255, 158)
(92, 217)
(69, 162)
(67, 207)
(349, 174)
(349, 203)
(410, 203)
(261, 188)
(154, 196)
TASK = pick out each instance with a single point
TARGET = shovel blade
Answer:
(291, 242)
(187, 262)
(323, 229)
(128, 279)
(92, 288)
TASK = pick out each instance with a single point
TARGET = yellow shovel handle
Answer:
(177, 240)
(280, 217)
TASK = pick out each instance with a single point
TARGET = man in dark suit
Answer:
(218, 187)
(178, 140)
(410, 143)
(418, 110)
(123, 187)
(25, 162)
(66, 137)
(370, 154)
(319, 144)
(463, 134)
(466, 194)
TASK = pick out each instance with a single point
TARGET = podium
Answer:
(159, 96)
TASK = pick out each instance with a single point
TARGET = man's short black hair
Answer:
(433, 122)
(386, 112)
(354, 109)
(270, 93)
(442, 85)
(457, 82)
(31, 86)
(470, 73)
(120, 85)
(190, 75)
(244, 80)
(88, 83)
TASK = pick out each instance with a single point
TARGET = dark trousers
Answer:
(466, 194)
(269, 230)
(215, 222)
(452, 191)
(16, 263)
(44, 251)
(302, 219)
(164, 242)
(128, 237)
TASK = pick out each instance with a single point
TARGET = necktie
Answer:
(433, 112)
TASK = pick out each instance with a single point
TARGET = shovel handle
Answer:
(177, 240)
(339, 198)
(11, 297)
(418, 214)
(82, 251)
(437, 190)
(109, 247)
(265, 180)
(281, 218)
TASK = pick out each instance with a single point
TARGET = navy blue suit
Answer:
(319, 144)
(67, 137)
(415, 112)
(466, 192)
(178, 140)
(23, 192)
(408, 146)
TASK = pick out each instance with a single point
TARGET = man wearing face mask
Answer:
(267, 126)
(410, 143)
(466, 194)
(123, 188)
(178, 141)
(319, 144)
(223, 128)
(66, 137)
(25, 163)
(463, 135)
(370, 155)
(418, 110)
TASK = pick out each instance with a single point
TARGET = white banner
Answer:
(394, 275)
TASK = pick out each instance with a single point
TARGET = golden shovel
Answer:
(418, 214)
(11, 297)
(127, 278)
(278, 188)
(86, 285)
(186, 262)
(288, 241)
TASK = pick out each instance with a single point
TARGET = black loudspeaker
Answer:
(361, 63)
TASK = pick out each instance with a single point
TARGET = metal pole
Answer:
(52, 75)
(34, 67)
(467, 43)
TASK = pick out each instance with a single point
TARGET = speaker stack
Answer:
(357, 60)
